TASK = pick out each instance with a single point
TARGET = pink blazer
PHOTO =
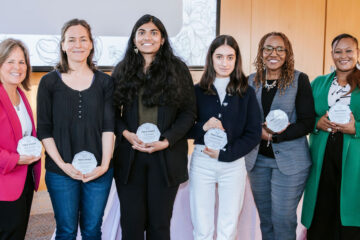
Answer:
(13, 176)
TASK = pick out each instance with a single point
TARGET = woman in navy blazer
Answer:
(224, 101)
(19, 174)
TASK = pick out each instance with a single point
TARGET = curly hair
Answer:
(164, 81)
(287, 69)
(238, 81)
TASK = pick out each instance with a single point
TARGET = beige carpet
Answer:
(41, 224)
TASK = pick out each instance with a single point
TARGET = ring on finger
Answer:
(329, 129)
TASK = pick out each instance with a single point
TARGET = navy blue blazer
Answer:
(239, 115)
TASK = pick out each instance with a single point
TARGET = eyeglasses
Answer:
(269, 50)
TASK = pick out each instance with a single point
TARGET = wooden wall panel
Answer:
(235, 20)
(341, 17)
(302, 21)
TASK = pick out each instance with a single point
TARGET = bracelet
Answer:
(268, 140)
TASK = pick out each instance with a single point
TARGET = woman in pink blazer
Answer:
(19, 174)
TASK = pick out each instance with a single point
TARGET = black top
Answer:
(75, 119)
(304, 104)
(240, 117)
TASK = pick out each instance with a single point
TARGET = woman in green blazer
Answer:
(331, 208)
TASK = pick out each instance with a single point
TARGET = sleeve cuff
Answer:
(11, 163)
(357, 129)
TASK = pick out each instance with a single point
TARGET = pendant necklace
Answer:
(270, 86)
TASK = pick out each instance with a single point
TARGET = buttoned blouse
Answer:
(75, 119)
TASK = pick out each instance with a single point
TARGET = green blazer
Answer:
(350, 182)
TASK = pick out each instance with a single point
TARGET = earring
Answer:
(358, 65)
(332, 68)
(136, 50)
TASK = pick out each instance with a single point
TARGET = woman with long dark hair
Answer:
(75, 116)
(279, 168)
(331, 208)
(224, 101)
(154, 86)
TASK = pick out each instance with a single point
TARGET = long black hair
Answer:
(238, 82)
(163, 81)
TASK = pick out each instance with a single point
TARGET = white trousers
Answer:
(205, 173)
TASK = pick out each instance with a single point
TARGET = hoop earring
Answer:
(358, 65)
(136, 50)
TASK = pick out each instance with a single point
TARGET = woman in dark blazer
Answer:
(151, 86)
(19, 174)
(225, 101)
(279, 169)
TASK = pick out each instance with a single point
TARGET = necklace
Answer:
(269, 86)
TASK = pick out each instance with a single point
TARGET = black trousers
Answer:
(14, 215)
(146, 201)
(326, 224)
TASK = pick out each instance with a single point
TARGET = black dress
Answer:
(326, 223)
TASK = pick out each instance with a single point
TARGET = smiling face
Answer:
(224, 59)
(274, 59)
(13, 70)
(148, 39)
(345, 54)
(77, 44)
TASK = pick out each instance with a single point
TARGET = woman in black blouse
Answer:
(75, 114)
(151, 86)
(279, 169)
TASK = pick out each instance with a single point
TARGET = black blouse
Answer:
(305, 112)
(75, 119)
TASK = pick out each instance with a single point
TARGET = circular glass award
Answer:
(148, 133)
(215, 139)
(29, 146)
(277, 120)
(339, 113)
(85, 162)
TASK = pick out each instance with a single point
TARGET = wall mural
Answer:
(190, 43)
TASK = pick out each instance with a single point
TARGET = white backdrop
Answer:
(191, 25)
